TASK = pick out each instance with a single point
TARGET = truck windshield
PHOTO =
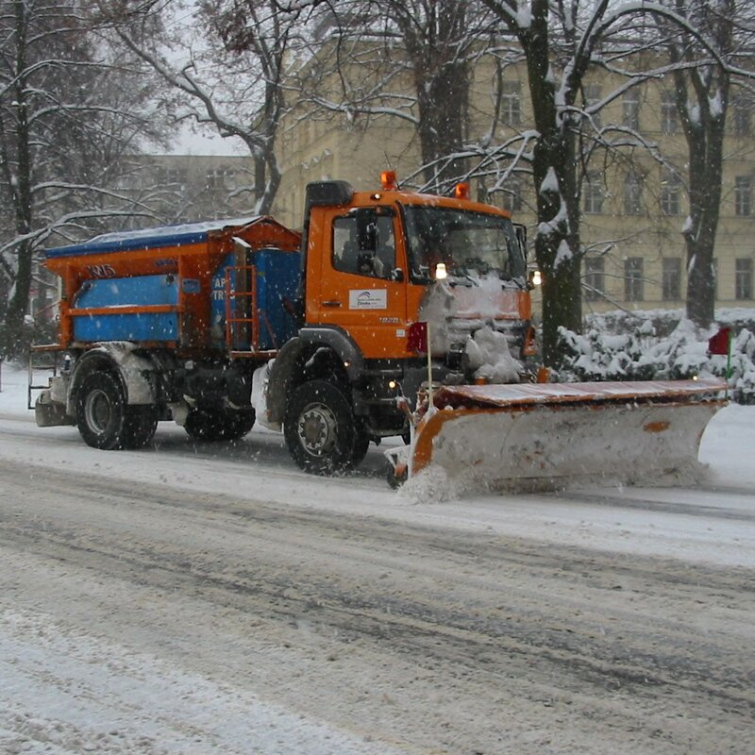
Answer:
(469, 243)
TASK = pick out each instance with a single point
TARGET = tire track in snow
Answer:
(611, 636)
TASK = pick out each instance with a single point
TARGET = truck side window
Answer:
(364, 243)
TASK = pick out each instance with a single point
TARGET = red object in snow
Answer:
(720, 343)
(417, 338)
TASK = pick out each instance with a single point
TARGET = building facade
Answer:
(186, 188)
(634, 203)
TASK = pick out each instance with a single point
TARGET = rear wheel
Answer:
(106, 421)
(320, 431)
(203, 424)
(140, 427)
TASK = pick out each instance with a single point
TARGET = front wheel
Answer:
(361, 446)
(320, 430)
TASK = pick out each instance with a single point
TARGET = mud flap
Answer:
(544, 436)
(49, 413)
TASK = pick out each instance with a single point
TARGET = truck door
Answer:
(362, 281)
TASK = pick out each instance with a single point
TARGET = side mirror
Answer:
(397, 275)
(521, 237)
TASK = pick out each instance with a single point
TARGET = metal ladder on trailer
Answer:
(242, 315)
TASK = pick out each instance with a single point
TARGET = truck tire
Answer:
(141, 426)
(320, 431)
(106, 421)
(361, 445)
(203, 424)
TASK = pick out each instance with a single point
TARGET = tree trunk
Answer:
(21, 194)
(702, 98)
(434, 44)
(442, 100)
(700, 233)
(557, 244)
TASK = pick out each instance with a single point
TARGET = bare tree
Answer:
(558, 46)
(562, 41)
(66, 122)
(410, 60)
(236, 77)
(434, 35)
(711, 51)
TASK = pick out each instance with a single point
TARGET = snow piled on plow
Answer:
(555, 447)
(433, 485)
(489, 355)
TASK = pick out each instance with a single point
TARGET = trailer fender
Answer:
(119, 358)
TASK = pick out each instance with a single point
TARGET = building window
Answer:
(743, 278)
(671, 192)
(511, 103)
(672, 279)
(743, 196)
(595, 278)
(634, 280)
(593, 194)
(631, 110)
(215, 178)
(512, 196)
(632, 194)
(742, 116)
(175, 178)
(221, 178)
(669, 121)
(593, 95)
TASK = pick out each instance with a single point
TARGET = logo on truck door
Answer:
(368, 299)
(101, 271)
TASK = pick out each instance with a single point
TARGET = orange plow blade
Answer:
(545, 435)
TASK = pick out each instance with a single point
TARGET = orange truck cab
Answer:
(331, 334)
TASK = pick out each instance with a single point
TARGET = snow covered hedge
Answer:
(660, 345)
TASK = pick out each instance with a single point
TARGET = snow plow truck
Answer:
(392, 313)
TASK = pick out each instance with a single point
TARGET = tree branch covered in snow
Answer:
(71, 118)
(661, 345)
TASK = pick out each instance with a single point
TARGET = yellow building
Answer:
(184, 188)
(634, 207)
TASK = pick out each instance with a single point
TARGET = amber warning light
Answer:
(461, 191)
(388, 180)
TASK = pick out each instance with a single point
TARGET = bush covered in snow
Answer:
(660, 345)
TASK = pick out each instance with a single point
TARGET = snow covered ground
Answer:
(727, 448)
(65, 690)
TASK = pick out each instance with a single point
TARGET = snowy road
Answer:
(176, 601)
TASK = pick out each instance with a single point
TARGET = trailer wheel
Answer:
(320, 431)
(202, 424)
(101, 414)
(141, 423)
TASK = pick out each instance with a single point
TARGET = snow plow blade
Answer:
(536, 436)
